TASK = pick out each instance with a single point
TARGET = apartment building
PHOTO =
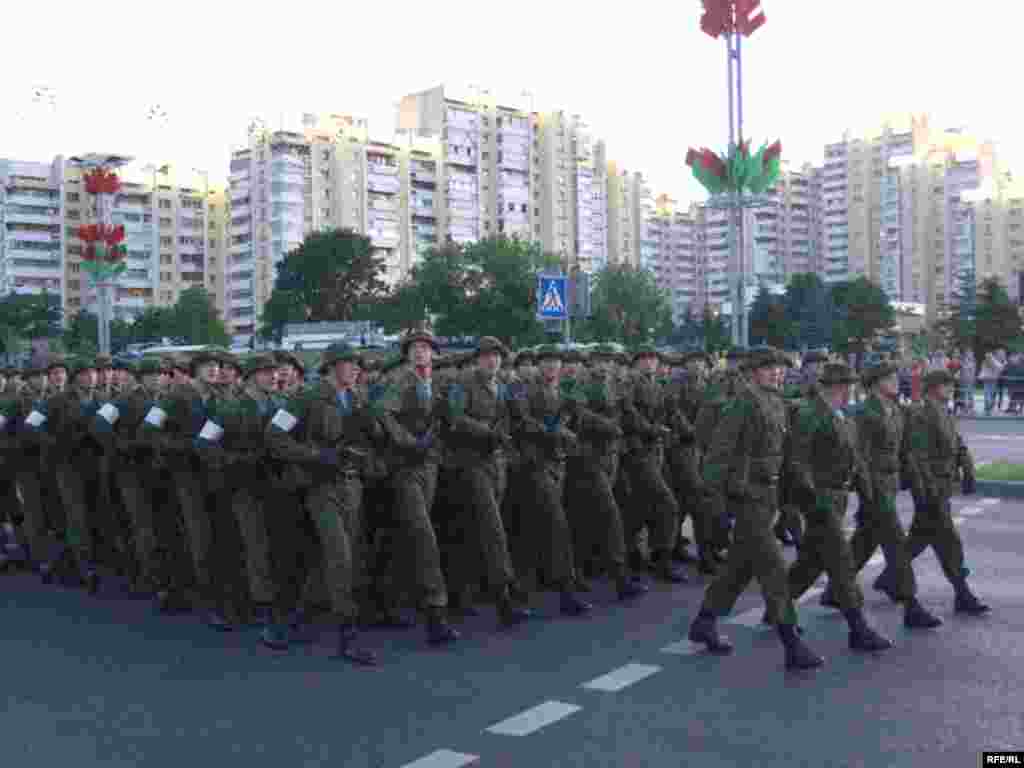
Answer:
(631, 205)
(174, 233)
(672, 252)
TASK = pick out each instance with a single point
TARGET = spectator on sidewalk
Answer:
(991, 369)
(968, 379)
(917, 370)
(955, 367)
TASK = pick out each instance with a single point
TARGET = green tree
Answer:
(332, 273)
(997, 322)
(27, 317)
(628, 307)
(810, 310)
(196, 319)
(485, 288)
(715, 331)
(283, 307)
(687, 333)
(153, 324)
(769, 321)
(82, 334)
(862, 310)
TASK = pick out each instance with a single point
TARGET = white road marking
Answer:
(971, 511)
(988, 502)
(622, 677)
(443, 758)
(533, 719)
(683, 648)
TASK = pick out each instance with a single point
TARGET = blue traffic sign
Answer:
(552, 297)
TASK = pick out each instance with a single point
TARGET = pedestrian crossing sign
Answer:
(552, 291)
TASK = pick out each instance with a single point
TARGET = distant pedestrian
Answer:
(991, 369)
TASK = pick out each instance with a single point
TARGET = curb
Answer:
(964, 417)
(1004, 489)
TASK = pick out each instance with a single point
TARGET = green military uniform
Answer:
(321, 434)
(594, 512)
(826, 465)
(743, 462)
(652, 501)
(546, 440)
(938, 455)
(42, 517)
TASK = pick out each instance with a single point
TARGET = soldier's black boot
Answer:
(171, 601)
(705, 630)
(707, 564)
(967, 602)
(463, 603)
(798, 654)
(510, 614)
(215, 617)
(572, 604)
(884, 584)
(681, 554)
(783, 535)
(90, 578)
(916, 617)
(862, 636)
(439, 631)
(828, 600)
(348, 650)
(628, 586)
(275, 636)
(667, 571)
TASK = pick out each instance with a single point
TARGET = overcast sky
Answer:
(642, 73)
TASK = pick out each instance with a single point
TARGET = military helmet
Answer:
(815, 356)
(256, 363)
(77, 365)
(490, 344)
(202, 357)
(761, 357)
(151, 366)
(937, 377)
(604, 352)
(548, 352)
(837, 373)
(697, 356)
(526, 357)
(878, 372)
(283, 357)
(55, 361)
(339, 352)
(391, 363)
(645, 350)
(413, 336)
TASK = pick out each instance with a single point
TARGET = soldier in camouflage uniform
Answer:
(594, 513)
(825, 466)
(744, 461)
(683, 456)
(410, 418)
(74, 456)
(13, 550)
(652, 501)
(938, 455)
(546, 439)
(884, 444)
(321, 433)
(478, 433)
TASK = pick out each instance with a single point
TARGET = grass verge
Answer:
(1002, 471)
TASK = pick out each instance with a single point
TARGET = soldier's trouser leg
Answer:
(336, 510)
(825, 549)
(546, 527)
(484, 487)
(717, 516)
(78, 536)
(251, 513)
(755, 553)
(880, 526)
(192, 505)
(598, 512)
(36, 525)
(653, 503)
(138, 502)
(414, 496)
(933, 526)
(289, 550)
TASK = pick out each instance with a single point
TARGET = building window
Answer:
(74, 285)
(73, 214)
(165, 204)
(72, 197)
(166, 242)
(74, 302)
(76, 268)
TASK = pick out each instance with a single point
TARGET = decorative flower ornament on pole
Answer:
(739, 172)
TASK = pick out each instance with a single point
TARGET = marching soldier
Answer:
(645, 423)
(938, 455)
(826, 465)
(546, 440)
(743, 463)
(318, 431)
(411, 422)
(884, 442)
(42, 515)
(478, 431)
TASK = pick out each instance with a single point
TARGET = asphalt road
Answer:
(104, 682)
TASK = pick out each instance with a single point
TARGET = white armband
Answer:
(211, 432)
(35, 419)
(110, 413)
(156, 417)
(284, 420)
(3, 421)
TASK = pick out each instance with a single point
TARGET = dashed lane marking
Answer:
(988, 502)
(532, 720)
(971, 511)
(443, 758)
(620, 678)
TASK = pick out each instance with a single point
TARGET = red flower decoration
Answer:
(90, 252)
(712, 163)
(773, 151)
(100, 181)
(97, 233)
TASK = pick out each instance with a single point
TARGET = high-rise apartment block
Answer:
(174, 233)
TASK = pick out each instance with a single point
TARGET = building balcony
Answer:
(46, 268)
(50, 203)
(14, 217)
(383, 184)
(422, 177)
